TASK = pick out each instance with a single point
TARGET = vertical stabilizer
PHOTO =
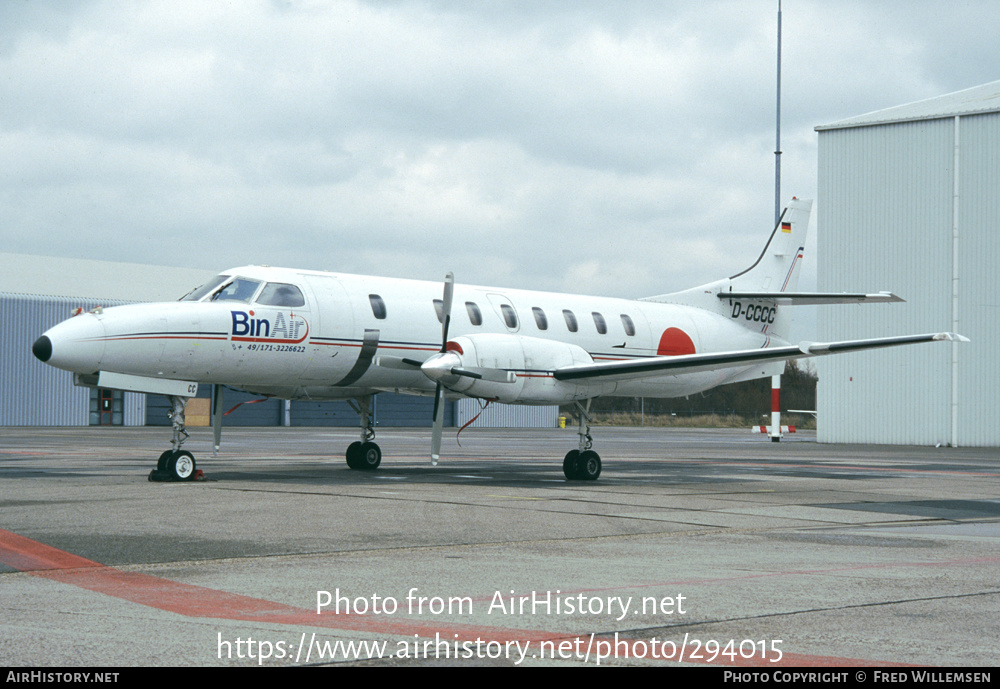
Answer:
(777, 267)
(776, 270)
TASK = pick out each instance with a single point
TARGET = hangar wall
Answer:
(909, 201)
(33, 394)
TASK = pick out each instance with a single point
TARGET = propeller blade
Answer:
(399, 363)
(438, 428)
(217, 417)
(449, 292)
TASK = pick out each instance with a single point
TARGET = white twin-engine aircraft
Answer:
(298, 334)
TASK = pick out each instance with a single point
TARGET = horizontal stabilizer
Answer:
(812, 298)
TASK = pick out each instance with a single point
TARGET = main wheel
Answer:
(180, 465)
(588, 467)
(354, 455)
(570, 465)
(370, 456)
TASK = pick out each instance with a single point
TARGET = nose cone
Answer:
(74, 345)
(42, 349)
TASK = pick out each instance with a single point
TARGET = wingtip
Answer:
(952, 337)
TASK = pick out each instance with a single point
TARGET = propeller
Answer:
(442, 366)
(438, 428)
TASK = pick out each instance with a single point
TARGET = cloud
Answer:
(614, 148)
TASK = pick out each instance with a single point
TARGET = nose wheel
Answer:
(176, 464)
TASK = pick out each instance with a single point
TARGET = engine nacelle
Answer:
(531, 359)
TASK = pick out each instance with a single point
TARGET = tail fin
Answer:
(776, 270)
(777, 267)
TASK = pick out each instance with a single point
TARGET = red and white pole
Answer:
(775, 409)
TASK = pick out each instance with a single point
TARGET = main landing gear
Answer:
(176, 464)
(583, 464)
(364, 455)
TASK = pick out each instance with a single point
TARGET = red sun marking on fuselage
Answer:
(674, 342)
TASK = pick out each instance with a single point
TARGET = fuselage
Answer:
(301, 334)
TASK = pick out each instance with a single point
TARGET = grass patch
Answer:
(803, 421)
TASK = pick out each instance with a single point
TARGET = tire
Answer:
(570, 465)
(161, 463)
(588, 467)
(354, 455)
(181, 466)
(369, 457)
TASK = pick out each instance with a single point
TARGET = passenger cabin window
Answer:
(570, 320)
(240, 289)
(540, 320)
(475, 315)
(600, 323)
(629, 325)
(509, 317)
(281, 294)
(378, 306)
(439, 310)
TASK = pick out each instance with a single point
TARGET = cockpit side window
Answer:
(198, 292)
(240, 289)
(281, 294)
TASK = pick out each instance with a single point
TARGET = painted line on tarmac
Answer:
(37, 559)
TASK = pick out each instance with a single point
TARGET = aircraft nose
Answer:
(42, 349)
(74, 345)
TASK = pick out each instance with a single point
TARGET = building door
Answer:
(106, 407)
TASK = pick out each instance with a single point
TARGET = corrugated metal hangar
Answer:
(909, 201)
(37, 292)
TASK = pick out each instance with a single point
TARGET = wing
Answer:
(691, 363)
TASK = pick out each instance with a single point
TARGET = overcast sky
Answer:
(620, 148)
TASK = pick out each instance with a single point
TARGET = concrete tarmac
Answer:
(704, 547)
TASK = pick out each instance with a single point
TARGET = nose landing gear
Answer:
(176, 464)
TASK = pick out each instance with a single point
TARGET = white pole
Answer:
(776, 380)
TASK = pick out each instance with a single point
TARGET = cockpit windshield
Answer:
(225, 288)
(198, 292)
(239, 289)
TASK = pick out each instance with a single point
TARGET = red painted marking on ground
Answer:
(45, 561)
(38, 559)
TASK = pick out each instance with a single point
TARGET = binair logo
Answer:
(278, 328)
